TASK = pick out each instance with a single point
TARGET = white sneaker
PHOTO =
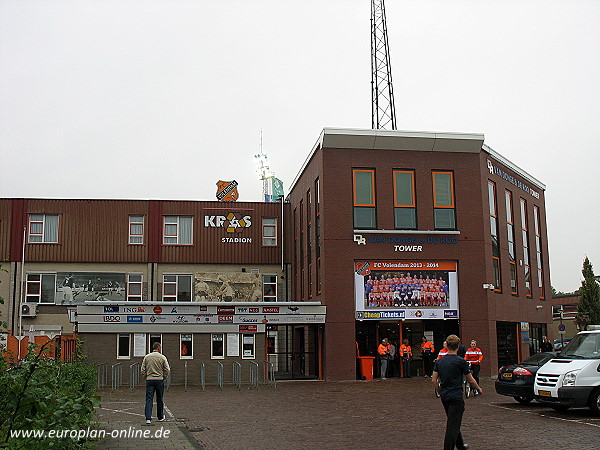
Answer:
(148, 421)
(162, 420)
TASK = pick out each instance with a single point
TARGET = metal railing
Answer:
(117, 376)
(168, 384)
(185, 376)
(270, 373)
(220, 374)
(254, 374)
(102, 375)
(134, 375)
(203, 376)
(237, 374)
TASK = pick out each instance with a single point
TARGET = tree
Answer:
(588, 308)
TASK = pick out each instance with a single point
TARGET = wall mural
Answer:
(228, 287)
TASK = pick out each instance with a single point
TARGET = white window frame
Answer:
(176, 221)
(128, 347)
(133, 222)
(212, 339)
(269, 239)
(35, 218)
(174, 298)
(243, 343)
(181, 341)
(269, 298)
(131, 297)
(31, 298)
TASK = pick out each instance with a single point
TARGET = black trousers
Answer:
(455, 408)
(428, 364)
(475, 368)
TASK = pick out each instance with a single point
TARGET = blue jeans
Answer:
(153, 386)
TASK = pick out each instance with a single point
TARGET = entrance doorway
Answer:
(294, 351)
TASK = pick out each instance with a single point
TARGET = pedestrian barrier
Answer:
(168, 381)
(270, 373)
(220, 375)
(185, 376)
(117, 376)
(237, 374)
(202, 376)
(134, 375)
(102, 375)
(254, 374)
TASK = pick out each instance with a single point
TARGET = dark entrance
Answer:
(294, 351)
(508, 338)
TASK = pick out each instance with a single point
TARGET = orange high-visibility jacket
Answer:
(427, 345)
(443, 352)
(405, 350)
(474, 355)
(383, 349)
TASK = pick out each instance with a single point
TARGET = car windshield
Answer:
(538, 359)
(583, 346)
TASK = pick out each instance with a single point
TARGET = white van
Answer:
(572, 379)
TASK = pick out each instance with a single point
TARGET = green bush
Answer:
(43, 394)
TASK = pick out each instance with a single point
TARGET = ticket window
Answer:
(217, 348)
(154, 338)
(248, 347)
(186, 346)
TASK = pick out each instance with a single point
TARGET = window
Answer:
(217, 348)
(43, 228)
(136, 229)
(510, 230)
(525, 240)
(364, 199)
(177, 230)
(318, 234)
(40, 287)
(123, 346)
(405, 216)
(186, 346)
(538, 250)
(269, 231)
(494, 235)
(270, 288)
(177, 288)
(134, 287)
(152, 338)
(247, 346)
(443, 201)
(309, 241)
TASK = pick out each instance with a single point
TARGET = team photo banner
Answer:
(406, 290)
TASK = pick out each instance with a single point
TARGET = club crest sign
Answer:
(227, 191)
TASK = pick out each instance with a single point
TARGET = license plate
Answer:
(507, 375)
(545, 394)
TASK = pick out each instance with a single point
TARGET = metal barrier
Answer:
(270, 373)
(185, 376)
(254, 374)
(237, 374)
(102, 375)
(168, 385)
(117, 376)
(134, 375)
(220, 375)
(202, 376)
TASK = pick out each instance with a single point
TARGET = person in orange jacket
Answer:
(406, 356)
(427, 350)
(474, 356)
(384, 356)
(443, 351)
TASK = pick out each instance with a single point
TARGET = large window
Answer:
(494, 235)
(177, 288)
(43, 228)
(136, 229)
(40, 287)
(364, 199)
(269, 231)
(134, 287)
(217, 348)
(444, 215)
(318, 235)
(405, 216)
(510, 239)
(178, 230)
(525, 240)
(538, 250)
(270, 288)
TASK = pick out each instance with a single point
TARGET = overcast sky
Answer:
(162, 98)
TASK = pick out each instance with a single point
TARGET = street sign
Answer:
(561, 327)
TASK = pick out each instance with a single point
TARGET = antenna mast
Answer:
(264, 171)
(383, 110)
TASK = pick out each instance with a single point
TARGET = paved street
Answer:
(393, 414)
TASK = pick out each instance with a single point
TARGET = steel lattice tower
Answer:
(383, 110)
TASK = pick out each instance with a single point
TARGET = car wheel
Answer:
(523, 399)
(559, 408)
(595, 402)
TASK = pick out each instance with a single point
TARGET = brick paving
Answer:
(392, 414)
